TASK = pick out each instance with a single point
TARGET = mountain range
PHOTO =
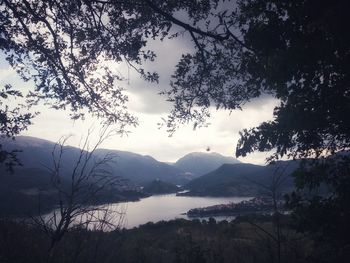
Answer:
(135, 168)
(203, 174)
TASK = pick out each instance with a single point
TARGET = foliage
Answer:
(12, 122)
(303, 57)
(173, 241)
(295, 51)
(298, 52)
(66, 49)
(321, 204)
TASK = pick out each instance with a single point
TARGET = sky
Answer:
(149, 107)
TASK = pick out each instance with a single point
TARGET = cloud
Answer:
(6, 73)
(144, 96)
(221, 136)
(251, 115)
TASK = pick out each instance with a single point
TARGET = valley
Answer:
(203, 176)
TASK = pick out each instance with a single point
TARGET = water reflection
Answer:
(167, 207)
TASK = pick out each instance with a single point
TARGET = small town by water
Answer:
(253, 205)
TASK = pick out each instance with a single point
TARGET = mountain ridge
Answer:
(242, 179)
(200, 163)
(37, 153)
(222, 175)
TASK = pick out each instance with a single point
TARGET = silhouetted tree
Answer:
(65, 47)
(321, 205)
(298, 52)
(78, 199)
(273, 191)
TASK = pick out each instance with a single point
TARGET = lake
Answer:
(166, 207)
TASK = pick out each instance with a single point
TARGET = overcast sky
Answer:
(145, 103)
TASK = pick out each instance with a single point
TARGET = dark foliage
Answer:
(177, 241)
(324, 216)
(302, 57)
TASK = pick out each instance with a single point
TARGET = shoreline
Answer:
(258, 205)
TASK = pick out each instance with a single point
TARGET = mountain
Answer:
(38, 154)
(200, 163)
(138, 169)
(242, 179)
(159, 187)
(21, 192)
(142, 169)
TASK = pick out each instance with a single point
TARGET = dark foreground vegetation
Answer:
(248, 239)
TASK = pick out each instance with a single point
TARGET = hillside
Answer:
(136, 168)
(36, 153)
(241, 179)
(159, 187)
(175, 241)
(200, 163)
(142, 169)
(21, 192)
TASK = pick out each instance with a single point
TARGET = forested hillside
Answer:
(243, 179)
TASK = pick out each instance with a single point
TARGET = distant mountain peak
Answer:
(199, 163)
(204, 153)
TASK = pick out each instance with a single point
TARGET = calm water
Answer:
(166, 207)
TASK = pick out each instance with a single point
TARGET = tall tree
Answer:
(299, 52)
(66, 47)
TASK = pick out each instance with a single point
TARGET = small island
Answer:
(254, 205)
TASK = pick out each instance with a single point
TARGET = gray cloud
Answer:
(145, 96)
(221, 135)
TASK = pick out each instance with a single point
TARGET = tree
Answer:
(320, 205)
(65, 48)
(78, 199)
(272, 190)
(284, 48)
(297, 51)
